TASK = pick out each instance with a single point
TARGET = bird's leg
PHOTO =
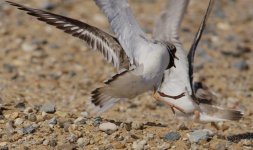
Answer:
(157, 96)
(173, 97)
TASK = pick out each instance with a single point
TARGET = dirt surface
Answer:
(46, 77)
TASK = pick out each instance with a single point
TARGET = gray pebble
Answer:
(172, 136)
(48, 108)
(29, 129)
(52, 121)
(4, 148)
(80, 121)
(97, 121)
(18, 121)
(198, 135)
(20, 106)
(241, 65)
(72, 138)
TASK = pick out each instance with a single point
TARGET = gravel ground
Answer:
(46, 77)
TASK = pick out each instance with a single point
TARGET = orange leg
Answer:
(157, 96)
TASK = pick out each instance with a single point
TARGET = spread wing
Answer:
(124, 25)
(168, 24)
(196, 40)
(94, 37)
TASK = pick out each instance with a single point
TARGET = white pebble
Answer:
(108, 126)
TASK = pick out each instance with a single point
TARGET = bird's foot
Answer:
(157, 96)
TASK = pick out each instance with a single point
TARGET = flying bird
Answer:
(140, 60)
(197, 102)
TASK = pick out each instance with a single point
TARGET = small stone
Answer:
(52, 121)
(80, 121)
(52, 142)
(28, 130)
(97, 121)
(18, 121)
(28, 110)
(27, 47)
(45, 142)
(81, 142)
(84, 114)
(108, 126)
(182, 127)
(10, 127)
(199, 135)
(20, 106)
(241, 65)
(14, 115)
(172, 136)
(48, 5)
(139, 145)
(61, 113)
(48, 108)
(137, 125)
(4, 146)
(72, 138)
(32, 117)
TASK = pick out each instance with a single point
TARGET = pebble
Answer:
(108, 126)
(137, 125)
(97, 121)
(182, 127)
(139, 145)
(52, 142)
(172, 136)
(48, 108)
(14, 115)
(61, 113)
(28, 110)
(20, 106)
(10, 127)
(81, 142)
(52, 121)
(80, 121)
(84, 114)
(32, 117)
(18, 121)
(27, 47)
(198, 135)
(241, 65)
(71, 138)
(48, 5)
(29, 129)
(4, 146)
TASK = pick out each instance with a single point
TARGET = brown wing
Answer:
(94, 37)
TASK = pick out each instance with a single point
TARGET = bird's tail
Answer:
(211, 113)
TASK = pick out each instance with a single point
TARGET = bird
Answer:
(197, 102)
(139, 59)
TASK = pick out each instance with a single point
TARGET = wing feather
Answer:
(168, 24)
(94, 37)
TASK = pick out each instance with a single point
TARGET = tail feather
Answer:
(100, 102)
(211, 113)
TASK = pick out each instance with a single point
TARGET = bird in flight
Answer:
(197, 102)
(159, 63)
(140, 60)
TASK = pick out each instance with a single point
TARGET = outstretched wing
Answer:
(94, 37)
(124, 25)
(196, 40)
(168, 24)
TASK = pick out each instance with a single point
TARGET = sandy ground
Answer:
(41, 66)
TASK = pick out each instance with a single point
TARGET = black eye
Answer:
(172, 52)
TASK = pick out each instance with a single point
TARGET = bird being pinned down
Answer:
(194, 104)
(142, 59)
